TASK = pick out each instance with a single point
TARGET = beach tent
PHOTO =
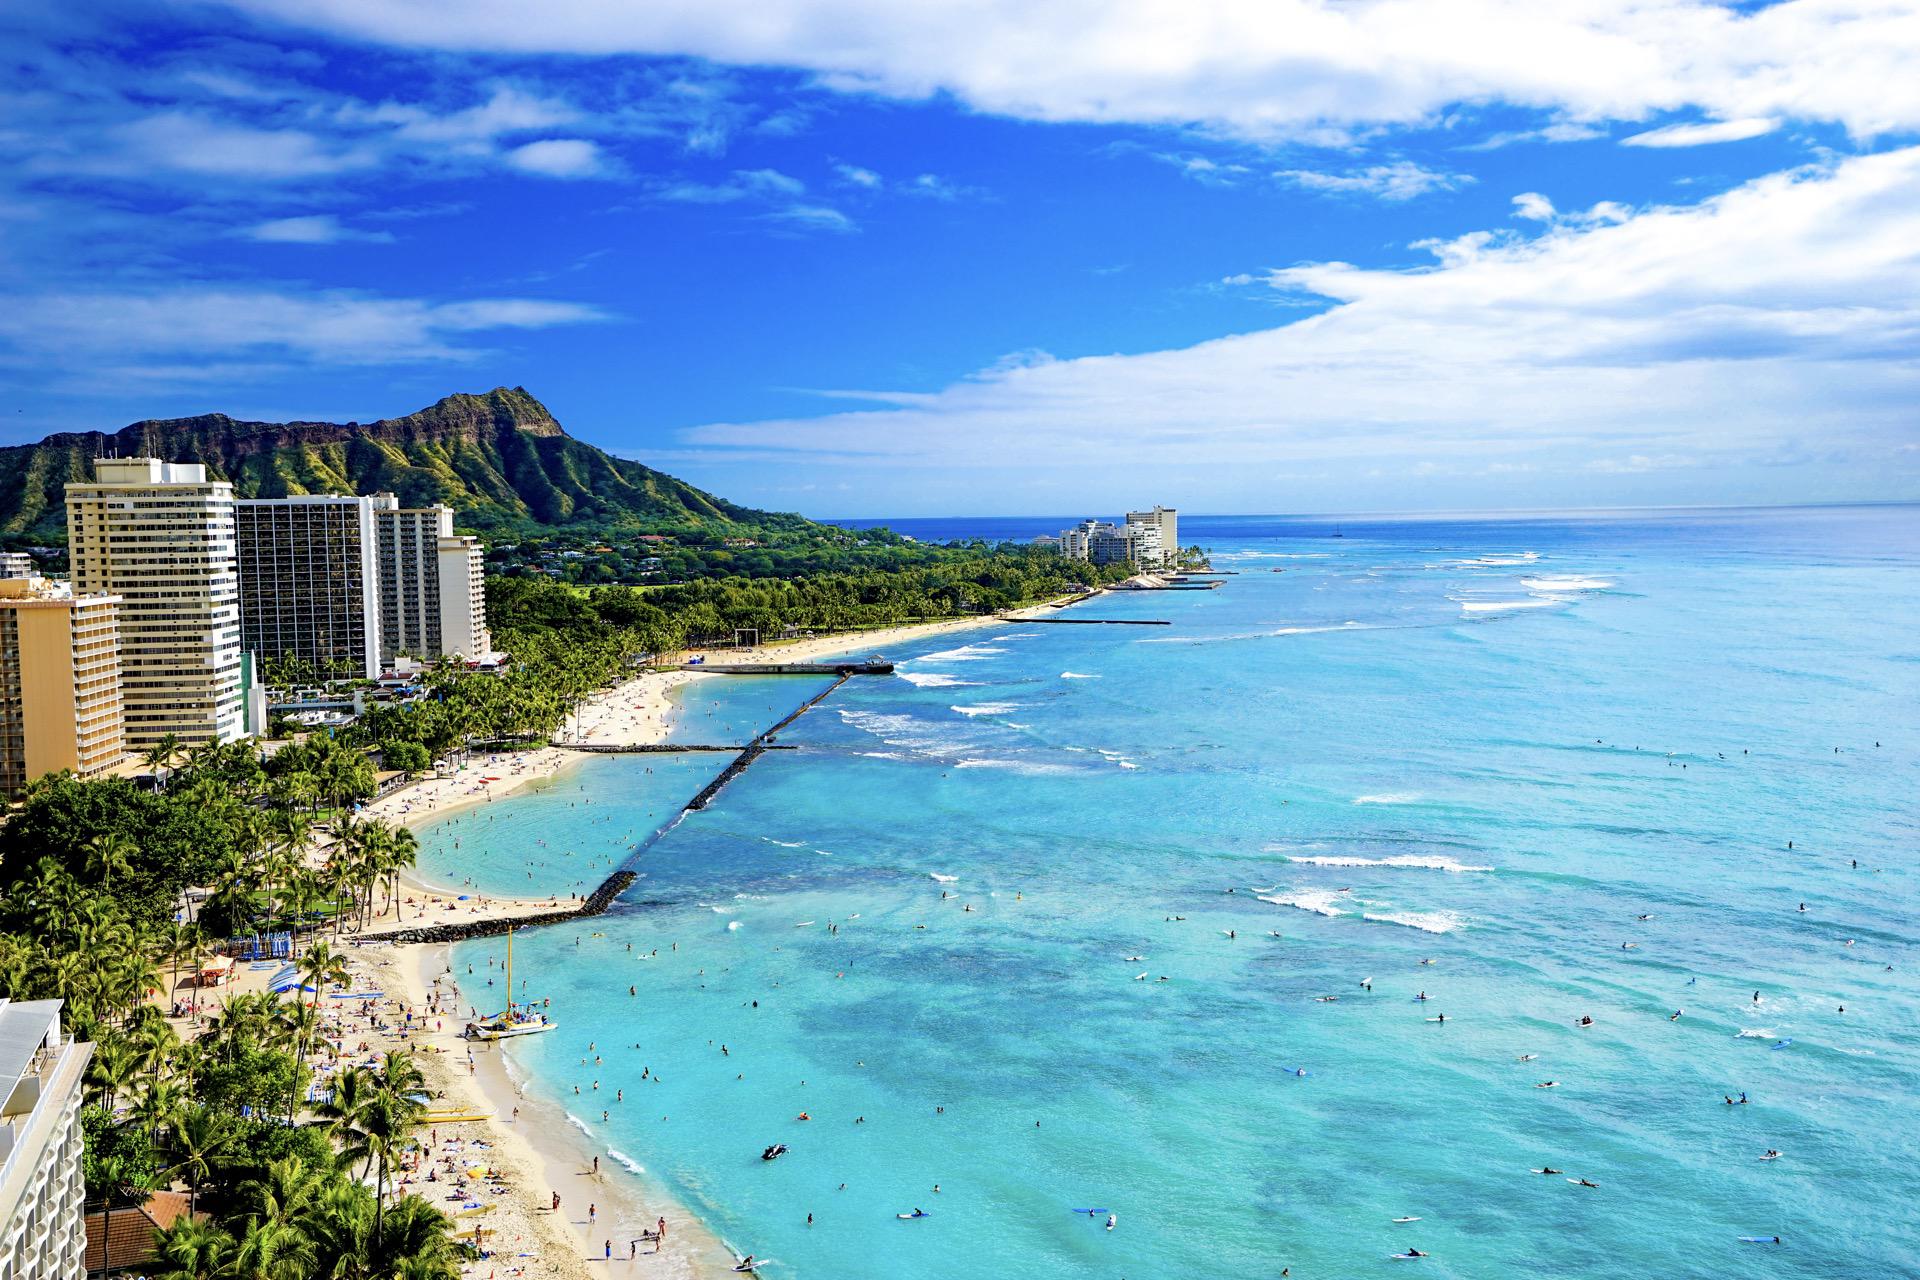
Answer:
(215, 970)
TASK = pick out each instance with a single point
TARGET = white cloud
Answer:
(771, 180)
(215, 323)
(854, 175)
(559, 158)
(312, 228)
(191, 143)
(812, 217)
(1267, 69)
(1726, 332)
(1697, 135)
(1401, 180)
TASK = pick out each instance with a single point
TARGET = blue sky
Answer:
(864, 258)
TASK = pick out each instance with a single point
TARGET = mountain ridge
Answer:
(500, 459)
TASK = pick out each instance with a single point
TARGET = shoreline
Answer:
(542, 1153)
(540, 1149)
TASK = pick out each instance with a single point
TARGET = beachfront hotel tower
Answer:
(310, 583)
(42, 1187)
(159, 535)
(1156, 536)
(60, 703)
(432, 584)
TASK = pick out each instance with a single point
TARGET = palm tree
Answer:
(321, 965)
(182, 941)
(403, 853)
(302, 892)
(414, 1241)
(106, 853)
(284, 1194)
(384, 1125)
(112, 1069)
(198, 1136)
(194, 1250)
(159, 753)
(269, 1251)
(340, 1225)
(120, 1179)
(300, 1027)
(159, 1105)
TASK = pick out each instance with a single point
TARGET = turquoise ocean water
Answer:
(1492, 746)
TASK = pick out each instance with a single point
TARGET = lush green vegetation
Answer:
(92, 870)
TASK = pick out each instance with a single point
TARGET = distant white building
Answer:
(1157, 537)
(1149, 539)
(43, 1189)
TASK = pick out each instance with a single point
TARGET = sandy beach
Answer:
(530, 1146)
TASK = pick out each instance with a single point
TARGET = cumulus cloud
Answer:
(1278, 68)
(1401, 180)
(854, 175)
(215, 324)
(1720, 331)
(558, 158)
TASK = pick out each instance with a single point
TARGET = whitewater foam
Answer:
(1404, 860)
(965, 653)
(631, 1165)
(1320, 902)
(943, 879)
(1502, 606)
(1428, 921)
(987, 708)
(1565, 582)
(1075, 675)
(1389, 797)
(934, 680)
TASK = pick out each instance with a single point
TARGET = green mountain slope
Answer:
(499, 460)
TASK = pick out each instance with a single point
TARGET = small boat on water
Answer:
(510, 1022)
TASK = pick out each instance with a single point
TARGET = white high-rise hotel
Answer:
(160, 536)
(433, 584)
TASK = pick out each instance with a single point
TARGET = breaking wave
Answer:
(1404, 860)
(934, 679)
(1427, 921)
